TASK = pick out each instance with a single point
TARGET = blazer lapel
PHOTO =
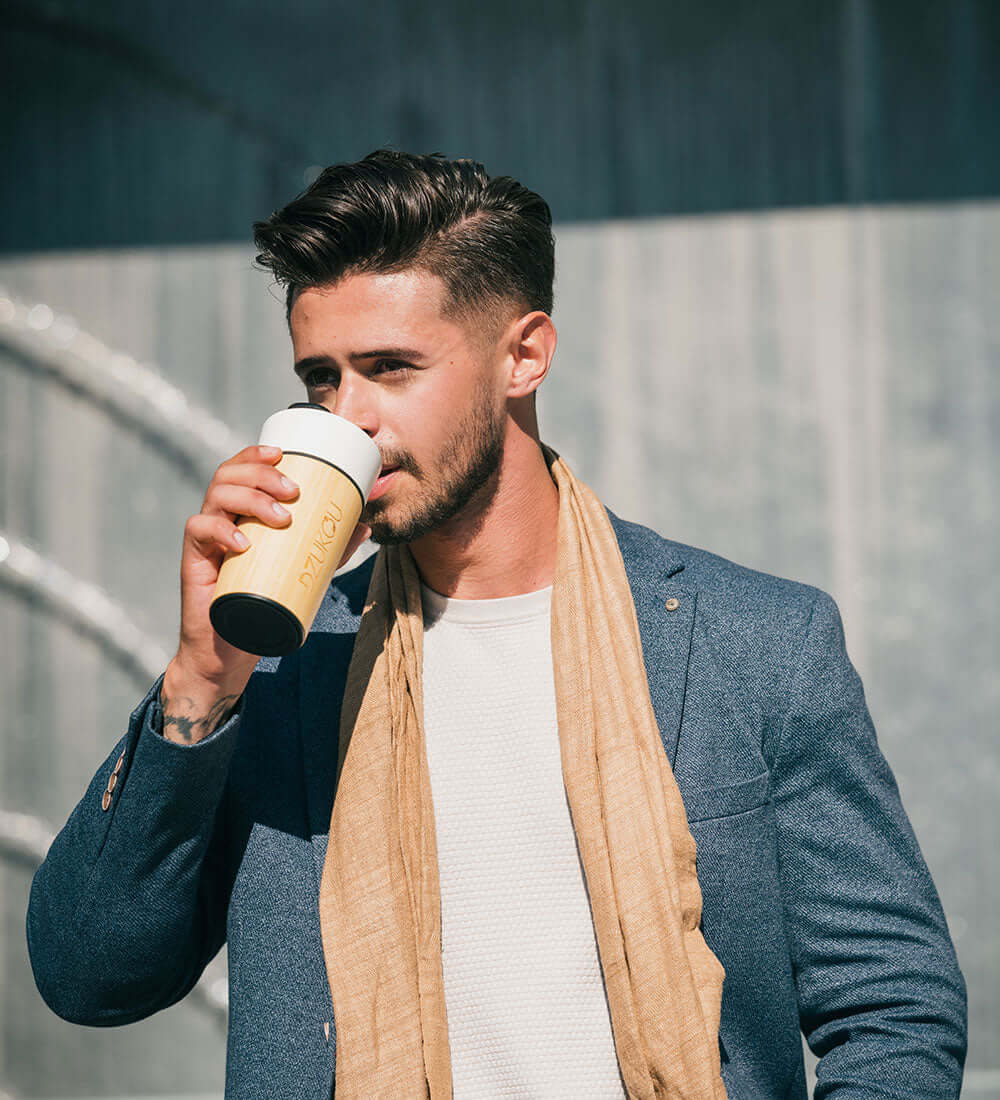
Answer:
(323, 665)
(654, 567)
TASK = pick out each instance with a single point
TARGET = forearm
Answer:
(881, 997)
(129, 903)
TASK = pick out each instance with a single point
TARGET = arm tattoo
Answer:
(192, 729)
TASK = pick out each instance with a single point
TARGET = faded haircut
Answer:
(489, 239)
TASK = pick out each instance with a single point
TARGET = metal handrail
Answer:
(187, 435)
(32, 576)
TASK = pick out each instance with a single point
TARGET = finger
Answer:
(210, 536)
(255, 453)
(234, 500)
(253, 475)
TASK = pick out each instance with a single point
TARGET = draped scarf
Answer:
(380, 903)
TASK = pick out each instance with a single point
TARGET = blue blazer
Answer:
(816, 897)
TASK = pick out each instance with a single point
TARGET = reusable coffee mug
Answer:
(267, 596)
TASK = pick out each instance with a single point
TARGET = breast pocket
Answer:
(737, 798)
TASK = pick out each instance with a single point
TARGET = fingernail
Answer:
(278, 510)
(289, 485)
(271, 450)
(241, 540)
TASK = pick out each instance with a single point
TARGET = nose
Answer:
(357, 402)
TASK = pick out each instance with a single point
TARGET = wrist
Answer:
(194, 707)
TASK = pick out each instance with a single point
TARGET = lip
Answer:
(383, 482)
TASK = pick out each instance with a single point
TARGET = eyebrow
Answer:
(379, 353)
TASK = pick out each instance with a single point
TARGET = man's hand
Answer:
(206, 677)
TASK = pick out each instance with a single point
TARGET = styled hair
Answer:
(489, 239)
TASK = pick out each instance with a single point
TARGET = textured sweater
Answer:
(527, 1010)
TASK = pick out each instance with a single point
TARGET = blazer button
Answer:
(121, 760)
(105, 800)
(112, 781)
(672, 604)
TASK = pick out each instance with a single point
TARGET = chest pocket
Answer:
(727, 801)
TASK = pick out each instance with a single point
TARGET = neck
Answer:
(505, 543)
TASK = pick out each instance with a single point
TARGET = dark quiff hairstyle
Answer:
(490, 240)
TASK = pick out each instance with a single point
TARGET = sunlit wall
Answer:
(777, 276)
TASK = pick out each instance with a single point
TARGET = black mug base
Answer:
(256, 624)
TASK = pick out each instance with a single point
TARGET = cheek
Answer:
(425, 420)
(427, 423)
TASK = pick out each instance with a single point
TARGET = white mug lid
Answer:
(312, 429)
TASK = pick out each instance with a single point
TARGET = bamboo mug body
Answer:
(267, 596)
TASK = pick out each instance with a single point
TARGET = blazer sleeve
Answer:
(129, 904)
(882, 1001)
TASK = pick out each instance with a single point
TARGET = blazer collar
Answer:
(654, 567)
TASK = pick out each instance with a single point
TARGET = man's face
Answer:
(377, 350)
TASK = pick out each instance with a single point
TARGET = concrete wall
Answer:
(813, 393)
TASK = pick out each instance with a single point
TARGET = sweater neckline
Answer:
(525, 605)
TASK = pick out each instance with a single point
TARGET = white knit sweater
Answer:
(528, 1015)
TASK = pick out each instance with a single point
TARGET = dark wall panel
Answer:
(133, 122)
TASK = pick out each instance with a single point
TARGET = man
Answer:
(588, 703)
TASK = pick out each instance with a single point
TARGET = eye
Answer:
(312, 381)
(390, 366)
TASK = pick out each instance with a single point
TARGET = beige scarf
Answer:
(380, 904)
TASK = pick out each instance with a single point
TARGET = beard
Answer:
(468, 468)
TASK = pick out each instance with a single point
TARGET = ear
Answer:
(530, 347)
